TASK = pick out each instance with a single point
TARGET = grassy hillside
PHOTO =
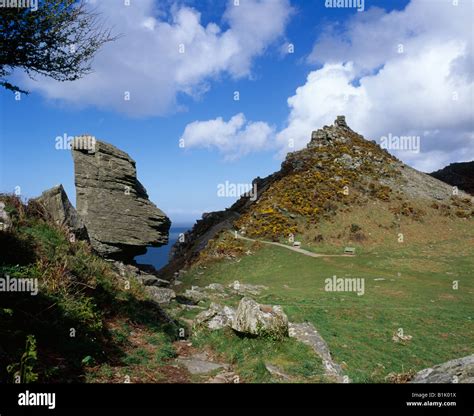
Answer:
(408, 287)
(83, 319)
(414, 242)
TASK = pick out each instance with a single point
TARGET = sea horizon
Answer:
(159, 256)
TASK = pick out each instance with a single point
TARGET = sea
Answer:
(159, 256)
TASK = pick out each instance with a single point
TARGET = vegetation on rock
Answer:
(68, 325)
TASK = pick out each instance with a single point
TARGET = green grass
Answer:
(83, 313)
(136, 357)
(417, 295)
(249, 356)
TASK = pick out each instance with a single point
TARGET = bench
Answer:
(350, 250)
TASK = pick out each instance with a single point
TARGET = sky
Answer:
(207, 92)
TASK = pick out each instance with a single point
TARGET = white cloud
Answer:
(234, 138)
(147, 63)
(382, 91)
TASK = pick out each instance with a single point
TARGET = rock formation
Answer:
(216, 317)
(56, 204)
(260, 320)
(120, 219)
(460, 370)
(338, 171)
(458, 174)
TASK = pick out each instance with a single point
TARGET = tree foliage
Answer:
(58, 39)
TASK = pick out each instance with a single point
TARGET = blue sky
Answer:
(183, 182)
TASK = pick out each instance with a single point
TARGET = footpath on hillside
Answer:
(292, 248)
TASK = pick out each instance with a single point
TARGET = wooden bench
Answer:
(350, 250)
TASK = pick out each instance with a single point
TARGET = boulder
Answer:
(195, 294)
(160, 295)
(246, 289)
(151, 280)
(340, 122)
(120, 219)
(260, 320)
(201, 363)
(215, 287)
(145, 278)
(56, 204)
(216, 317)
(460, 370)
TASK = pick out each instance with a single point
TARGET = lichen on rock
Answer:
(252, 318)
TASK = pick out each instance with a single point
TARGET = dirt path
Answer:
(203, 364)
(296, 249)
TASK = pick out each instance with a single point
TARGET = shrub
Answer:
(355, 228)
(25, 368)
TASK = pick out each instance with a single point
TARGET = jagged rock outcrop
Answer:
(56, 204)
(120, 219)
(460, 370)
(457, 174)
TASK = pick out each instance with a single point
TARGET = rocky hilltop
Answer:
(457, 174)
(337, 179)
(120, 219)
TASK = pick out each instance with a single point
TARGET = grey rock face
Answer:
(460, 370)
(340, 121)
(195, 294)
(120, 219)
(160, 295)
(216, 287)
(57, 205)
(216, 317)
(200, 363)
(260, 320)
(246, 289)
(5, 221)
(307, 334)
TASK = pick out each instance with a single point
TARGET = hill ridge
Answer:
(338, 171)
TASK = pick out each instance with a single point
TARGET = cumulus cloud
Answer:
(394, 73)
(233, 138)
(391, 73)
(166, 52)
